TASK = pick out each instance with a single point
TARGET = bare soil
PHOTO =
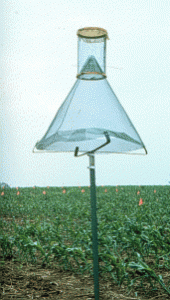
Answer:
(26, 281)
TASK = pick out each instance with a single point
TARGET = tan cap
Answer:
(92, 32)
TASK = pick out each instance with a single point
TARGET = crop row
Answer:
(52, 226)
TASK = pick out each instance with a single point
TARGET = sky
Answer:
(38, 60)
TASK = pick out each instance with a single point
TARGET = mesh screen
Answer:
(91, 112)
(90, 109)
(94, 49)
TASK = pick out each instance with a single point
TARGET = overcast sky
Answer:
(38, 47)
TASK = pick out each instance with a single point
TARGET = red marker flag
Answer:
(140, 201)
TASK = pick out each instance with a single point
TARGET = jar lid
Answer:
(92, 32)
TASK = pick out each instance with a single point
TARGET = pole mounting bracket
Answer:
(91, 152)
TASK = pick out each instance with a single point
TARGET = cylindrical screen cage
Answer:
(92, 53)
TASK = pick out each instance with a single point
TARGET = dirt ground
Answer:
(20, 280)
(26, 281)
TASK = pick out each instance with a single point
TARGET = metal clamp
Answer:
(90, 152)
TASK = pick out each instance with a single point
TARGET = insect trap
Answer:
(91, 120)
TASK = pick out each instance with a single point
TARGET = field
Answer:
(46, 243)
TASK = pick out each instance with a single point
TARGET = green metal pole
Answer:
(94, 225)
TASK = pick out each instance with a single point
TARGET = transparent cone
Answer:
(90, 109)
